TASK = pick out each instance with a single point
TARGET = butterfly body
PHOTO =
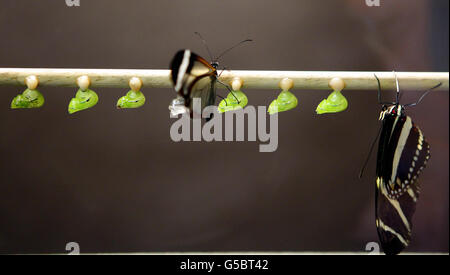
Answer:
(192, 77)
(402, 155)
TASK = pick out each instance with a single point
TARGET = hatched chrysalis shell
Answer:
(177, 107)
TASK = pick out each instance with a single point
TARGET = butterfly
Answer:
(194, 77)
(403, 153)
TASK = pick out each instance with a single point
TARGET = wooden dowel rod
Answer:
(309, 80)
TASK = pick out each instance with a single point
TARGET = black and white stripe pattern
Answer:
(192, 77)
(181, 70)
(402, 155)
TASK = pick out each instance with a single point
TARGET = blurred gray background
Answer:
(113, 181)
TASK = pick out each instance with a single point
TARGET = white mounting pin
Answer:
(135, 84)
(83, 82)
(32, 82)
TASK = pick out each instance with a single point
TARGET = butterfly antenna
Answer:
(370, 153)
(398, 87)
(229, 49)
(379, 92)
(424, 94)
(379, 88)
(205, 44)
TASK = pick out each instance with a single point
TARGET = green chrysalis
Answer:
(82, 100)
(335, 103)
(133, 99)
(30, 98)
(231, 103)
(284, 102)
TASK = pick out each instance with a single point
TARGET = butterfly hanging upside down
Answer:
(402, 155)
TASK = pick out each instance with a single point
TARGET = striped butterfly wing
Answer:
(203, 88)
(402, 155)
(193, 77)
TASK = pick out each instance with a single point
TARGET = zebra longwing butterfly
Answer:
(402, 155)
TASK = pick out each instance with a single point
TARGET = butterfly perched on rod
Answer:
(403, 153)
(194, 77)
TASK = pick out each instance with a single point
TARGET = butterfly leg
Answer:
(221, 97)
(224, 69)
(370, 152)
(226, 86)
(229, 89)
(397, 95)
